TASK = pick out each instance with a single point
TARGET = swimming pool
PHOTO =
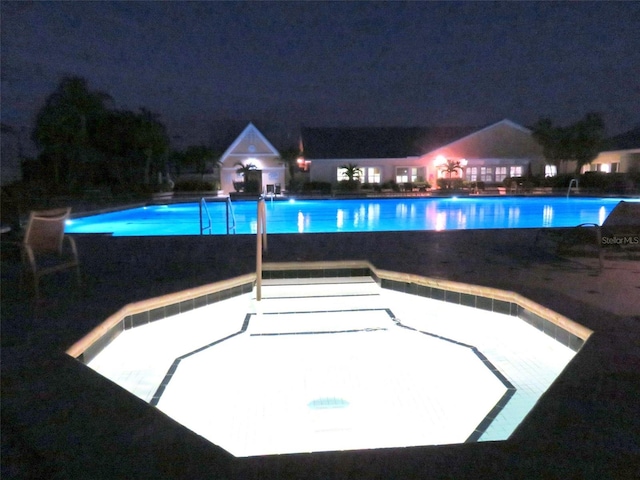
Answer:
(354, 215)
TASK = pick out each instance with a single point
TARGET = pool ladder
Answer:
(204, 209)
(208, 226)
(574, 181)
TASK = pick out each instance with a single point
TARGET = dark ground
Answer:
(62, 421)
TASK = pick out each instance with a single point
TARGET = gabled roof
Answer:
(625, 141)
(250, 141)
(377, 142)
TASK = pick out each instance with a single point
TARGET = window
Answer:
(515, 171)
(409, 174)
(501, 173)
(372, 175)
(342, 175)
(550, 170)
(472, 174)
(402, 175)
(486, 174)
(614, 167)
(605, 167)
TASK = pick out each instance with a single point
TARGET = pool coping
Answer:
(557, 326)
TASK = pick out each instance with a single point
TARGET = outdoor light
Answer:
(463, 162)
(440, 160)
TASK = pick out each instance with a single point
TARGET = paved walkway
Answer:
(61, 421)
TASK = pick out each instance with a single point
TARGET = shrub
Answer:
(392, 185)
(193, 186)
(450, 183)
(322, 187)
(348, 185)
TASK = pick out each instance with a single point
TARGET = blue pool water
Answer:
(355, 215)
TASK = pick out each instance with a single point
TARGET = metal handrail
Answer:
(203, 207)
(230, 215)
(261, 244)
(573, 180)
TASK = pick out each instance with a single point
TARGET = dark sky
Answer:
(330, 63)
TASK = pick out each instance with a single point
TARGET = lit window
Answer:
(372, 175)
(472, 174)
(402, 175)
(550, 170)
(515, 171)
(409, 174)
(501, 173)
(605, 168)
(486, 174)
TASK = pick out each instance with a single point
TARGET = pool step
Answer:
(319, 287)
(320, 294)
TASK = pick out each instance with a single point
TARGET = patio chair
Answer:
(620, 231)
(43, 246)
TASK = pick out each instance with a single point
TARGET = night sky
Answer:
(198, 64)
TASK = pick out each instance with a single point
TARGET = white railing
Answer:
(261, 244)
(204, 209)
(231, 218)
(574, 181)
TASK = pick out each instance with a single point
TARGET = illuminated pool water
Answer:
(355, 215)
(337, 363)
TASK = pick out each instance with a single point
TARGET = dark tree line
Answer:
(580, 142)
(85, 143)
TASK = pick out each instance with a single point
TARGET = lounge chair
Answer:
(620, 231)
(43, 246)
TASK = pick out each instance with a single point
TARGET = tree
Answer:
(152, 140)
(66, 126)
(250, 184)
(199, 157)
(244, 169)
(450, 167)
(290, 157)
(580, 142)
(587, 139)
(351, 172)
(135, 143)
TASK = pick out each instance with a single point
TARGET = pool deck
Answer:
(60, 420)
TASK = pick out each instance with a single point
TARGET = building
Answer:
(252, 148)
(622, 154)
(489, 154)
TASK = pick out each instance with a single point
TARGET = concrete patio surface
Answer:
(60, 420)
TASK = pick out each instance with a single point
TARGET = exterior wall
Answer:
(626, 160)
(272, 172)
(252, 147)
(326, 170)
(502, 144)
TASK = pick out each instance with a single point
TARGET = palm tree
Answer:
(245, 170)
(351, 172)
(450, 167)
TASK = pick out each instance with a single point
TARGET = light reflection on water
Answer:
(326, 216)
